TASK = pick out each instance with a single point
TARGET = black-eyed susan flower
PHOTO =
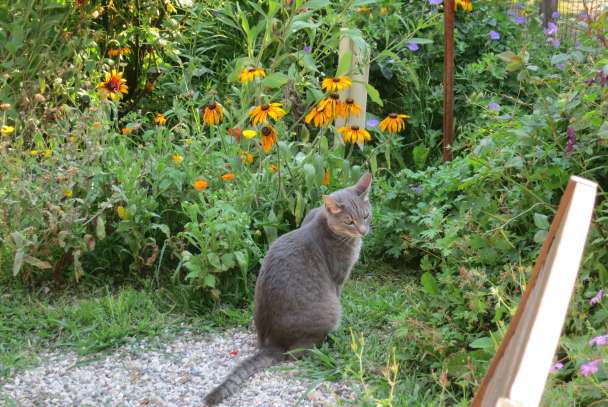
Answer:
(68, 193)
(213, 113)
(125, 131)
(249, 74)
(177, 158)
(116, 52)
(354, 134)
(113, 85)
(160, 119)
(260, 113)
(467, 5)
(7, 130)
(200, 184)
(269, 137)
(348, 108)
(336, 84)
(319, 115)
(272, 168)
(393, 123)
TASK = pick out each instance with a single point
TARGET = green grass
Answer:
(94, 320)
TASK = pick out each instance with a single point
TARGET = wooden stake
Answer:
(359, 73)
(448, 79)
(519, 370)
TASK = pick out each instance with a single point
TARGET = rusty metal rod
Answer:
(448, 79)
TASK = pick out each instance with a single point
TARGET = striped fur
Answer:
(262, 359)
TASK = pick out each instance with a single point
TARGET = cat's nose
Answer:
(362, 229)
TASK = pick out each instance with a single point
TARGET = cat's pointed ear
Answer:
(331, 204)
(363, 186)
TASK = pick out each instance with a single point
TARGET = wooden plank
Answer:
(448, 79)
(359, 73)
(519, 370)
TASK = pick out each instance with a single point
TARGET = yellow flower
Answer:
(326, 177)
(354, 134)
(97, 125)
(113, 86)
(34, 153)
(67, 193)
(336, 84)
(260, 114)
(116, 52)
(269, 138)
(393, 123)
(177, 158)
(47, 153)
(126, 131)
(122, 213)
(320, 115)
(272, 168)
(228, 176)
(249, 74)
(7, 130)
(160, 119)
(249, 133)
(467, 5)
(5, 106)
(170, 7)
(188, 141)
(246, 157)
(348, 108)
(213, 113)
(200, 184)
(383, 11)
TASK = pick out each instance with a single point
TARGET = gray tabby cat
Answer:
(297, 294)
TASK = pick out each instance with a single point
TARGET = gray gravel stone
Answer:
(177, 373)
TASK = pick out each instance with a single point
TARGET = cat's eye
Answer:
(349, 221)
(366, 215)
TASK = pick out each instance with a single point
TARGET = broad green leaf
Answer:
(429, 283)
(100, 227)
(344, 64)
(315, 4)
(420, 41)
(209, 280)
(275, 80)
(374, 94)
(541, 221)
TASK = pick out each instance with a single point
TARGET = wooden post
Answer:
(518, 372)
(359, 73)
(448, 79)
(547, 9)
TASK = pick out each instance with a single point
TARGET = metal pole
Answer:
(448, 79)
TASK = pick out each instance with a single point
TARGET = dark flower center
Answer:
(355, 128)
(212, 105)
(334, 96)
(266, 131)
(393, 115)
(251, 70)
(113, 84)
(350, 101)
(265, 107)
(336, 80)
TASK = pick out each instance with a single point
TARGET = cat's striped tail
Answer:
(262, 359)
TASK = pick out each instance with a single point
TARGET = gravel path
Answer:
(177, 373)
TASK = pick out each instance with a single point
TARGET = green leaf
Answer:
(242, 259)
(420, 154)
(344, 64)
(209, 280)
(214, 260)
(100, 227)
(315, 4)
(420, 41)
(275, 80)
(483, 343)
(429, 283)
(374, 94)
(541, 221)
(540, 236)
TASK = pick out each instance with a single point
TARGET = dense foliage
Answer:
(114, 168)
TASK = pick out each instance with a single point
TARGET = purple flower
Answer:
(413, 46)
(560, 66)
(555, 15)
(435, 2)
(494, 107)
(416, 188)
(520, 20)
(372, 122)
(571, 134)
(557, 366)
(597, 297)
(494, 35)
(551, 29)
(587, 369)
(577, 44)
(307, 49)
(554, 41)
(599, 340)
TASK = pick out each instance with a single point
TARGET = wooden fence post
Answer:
(359, 73)
(519, 370)
(448, 79)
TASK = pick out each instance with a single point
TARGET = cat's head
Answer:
(349, 213)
